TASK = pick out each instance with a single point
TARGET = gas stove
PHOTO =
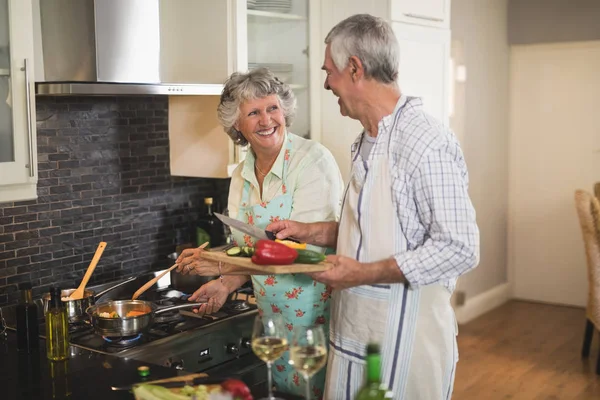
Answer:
(218, 343)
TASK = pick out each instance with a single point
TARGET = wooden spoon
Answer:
(78, 293)
(152, 281)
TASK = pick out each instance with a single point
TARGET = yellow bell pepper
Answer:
(291, 244)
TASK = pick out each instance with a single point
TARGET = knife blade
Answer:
(250, 229)
(192, 382)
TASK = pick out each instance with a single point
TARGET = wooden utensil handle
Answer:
(183, 378)
(93, 264)
(151, 282)
(155, 279)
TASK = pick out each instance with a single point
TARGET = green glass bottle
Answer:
(57, 328)
(373, 389)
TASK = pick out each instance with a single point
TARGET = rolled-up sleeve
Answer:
(449, 246)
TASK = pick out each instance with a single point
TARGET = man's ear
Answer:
(357, 70)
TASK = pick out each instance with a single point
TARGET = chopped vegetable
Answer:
(248, 251)
(112, 314)
(309, 257)
(135, 313)
(200, 392)
(292, 244)
(268, 252)
(234, 252)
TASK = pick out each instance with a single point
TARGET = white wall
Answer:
(337, 132)
(553, 21)
(481, 26)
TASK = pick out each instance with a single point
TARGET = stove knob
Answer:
(232, 348)
(178, 365)
(246, 343)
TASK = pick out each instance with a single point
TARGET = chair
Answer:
(588, 210)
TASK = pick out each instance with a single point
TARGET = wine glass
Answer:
(269, 342)
(308, 352)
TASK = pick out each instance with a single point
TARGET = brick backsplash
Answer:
(104, 175)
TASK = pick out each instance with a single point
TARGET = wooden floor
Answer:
(526, 351)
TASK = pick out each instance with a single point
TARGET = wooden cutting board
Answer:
(245, 266)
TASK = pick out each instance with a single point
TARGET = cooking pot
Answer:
(76, 308)
(127, 326)
(187, 283)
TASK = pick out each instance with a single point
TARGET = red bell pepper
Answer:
(268, 252)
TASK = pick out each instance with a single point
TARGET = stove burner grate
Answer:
(238, 305)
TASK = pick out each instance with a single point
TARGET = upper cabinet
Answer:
(18, 154)
(424, 66)
(272, 34)
(421, 12)
(278, 38)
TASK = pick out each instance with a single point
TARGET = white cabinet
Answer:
(199, 146)
(422, 29)
(277, 37)
(18, 154)
(424, 66)
(421, 12)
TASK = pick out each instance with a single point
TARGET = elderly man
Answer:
(407, 228)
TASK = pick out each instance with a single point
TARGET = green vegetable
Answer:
(155, 392)
(234, 252)
(248, 251)
(308, 257)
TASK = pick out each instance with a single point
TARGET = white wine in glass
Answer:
(269, 348)
(269, 342)
(308, 352)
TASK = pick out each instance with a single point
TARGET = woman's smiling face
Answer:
(262, 123)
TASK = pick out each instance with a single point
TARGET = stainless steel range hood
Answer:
(136, 47)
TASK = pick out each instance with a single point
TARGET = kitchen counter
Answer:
(89, 375)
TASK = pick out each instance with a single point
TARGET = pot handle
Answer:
(102, 293)
(177, 307)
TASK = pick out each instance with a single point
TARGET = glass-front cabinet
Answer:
(279, 38)
(18, 154)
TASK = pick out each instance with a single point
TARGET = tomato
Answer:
(237, 389)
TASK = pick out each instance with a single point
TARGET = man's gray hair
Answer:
(256, 84)
(369, 38)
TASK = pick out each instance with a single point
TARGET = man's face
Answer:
(339, 82)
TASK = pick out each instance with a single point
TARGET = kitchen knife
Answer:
(201, 380)
(249, 229)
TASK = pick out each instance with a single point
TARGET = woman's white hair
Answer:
(369, 38)
(256, 84)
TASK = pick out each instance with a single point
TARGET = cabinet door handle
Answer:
(428, 18)
(29, 119)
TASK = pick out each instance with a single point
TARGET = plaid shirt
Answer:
(440, 238)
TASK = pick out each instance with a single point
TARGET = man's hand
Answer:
(322, 234)
(286, 228)
(347, 272)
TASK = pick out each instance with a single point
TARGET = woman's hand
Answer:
(191, 262)
(215, 293)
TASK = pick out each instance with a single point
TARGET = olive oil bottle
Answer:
(57, 328)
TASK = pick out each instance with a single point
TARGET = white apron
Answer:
(416, 329)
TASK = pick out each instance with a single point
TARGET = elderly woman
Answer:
(283, 177)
